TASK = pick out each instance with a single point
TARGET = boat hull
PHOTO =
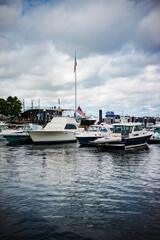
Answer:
(127, 143)
(18, 139)
(52, 137)
(85, 141)
(154, 140)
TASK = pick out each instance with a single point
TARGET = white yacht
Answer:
(59, 130)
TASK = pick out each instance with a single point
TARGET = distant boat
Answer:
(124, 136)
(59, 130)
(155, 138)
(93, 132)
(6, 128)
(2, 129)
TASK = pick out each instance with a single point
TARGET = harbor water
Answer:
(67, 192)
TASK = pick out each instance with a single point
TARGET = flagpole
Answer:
(75, 72)
(75, 94)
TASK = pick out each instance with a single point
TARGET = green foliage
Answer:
(3, 107)
(10, 107)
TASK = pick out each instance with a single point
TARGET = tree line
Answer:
(10, 107)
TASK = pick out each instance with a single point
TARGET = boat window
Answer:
(126, 128)
(130, 129)
(3, 127)
(92, 128)
(70, 126)
(117, 129)
(157, 129)
(137, 128)
(103, 129)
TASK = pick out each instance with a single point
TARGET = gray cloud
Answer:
(148, 31)
(117, 45)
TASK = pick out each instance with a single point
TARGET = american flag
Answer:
(79, 110)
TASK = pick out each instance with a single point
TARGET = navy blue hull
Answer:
(128, 143)
(154, 140)
(85, 140)
(54, 142)
(136, 141)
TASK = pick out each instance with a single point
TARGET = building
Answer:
(110, 117)
(42, 115)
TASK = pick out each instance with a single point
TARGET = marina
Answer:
(80, 179)
(69, 192)
(79, 120)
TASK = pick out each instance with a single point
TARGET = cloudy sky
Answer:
(118, 54)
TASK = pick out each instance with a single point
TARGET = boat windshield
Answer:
(103, 129)
(137, 128)
(93, 128)
(3, 127)
(70, 126)
(119, 128)
(157, 129)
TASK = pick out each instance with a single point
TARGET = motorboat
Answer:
(2, 128)
(155, 138)
(59, 130)
(95, 131)
(6, 128)
(124, 136)
(21, 136)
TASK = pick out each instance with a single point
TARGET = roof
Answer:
(60, 122)
(110, 115)
(127, 124)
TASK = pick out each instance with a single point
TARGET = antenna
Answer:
(59, 103)
(23, 105)
(32, 103)
(39, 103)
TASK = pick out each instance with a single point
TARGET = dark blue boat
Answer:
(125, 136)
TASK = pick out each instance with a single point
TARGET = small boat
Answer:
(155, 138)
(6, 129)
(95, 131)
(3, 127)
(59, 130)
(124, 136)
(21, 136)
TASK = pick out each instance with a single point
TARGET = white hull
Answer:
(51, 137)
(59, 130)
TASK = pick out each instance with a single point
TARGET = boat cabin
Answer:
(125, 129)
(96, 128)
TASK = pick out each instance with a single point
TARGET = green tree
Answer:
(14, 106)
(3, 107)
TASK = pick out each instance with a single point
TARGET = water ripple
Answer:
(67, 192)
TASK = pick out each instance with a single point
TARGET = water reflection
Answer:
(67, 192)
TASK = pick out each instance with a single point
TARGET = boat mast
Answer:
(75, 72)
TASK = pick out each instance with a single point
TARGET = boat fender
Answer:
(99, 147)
